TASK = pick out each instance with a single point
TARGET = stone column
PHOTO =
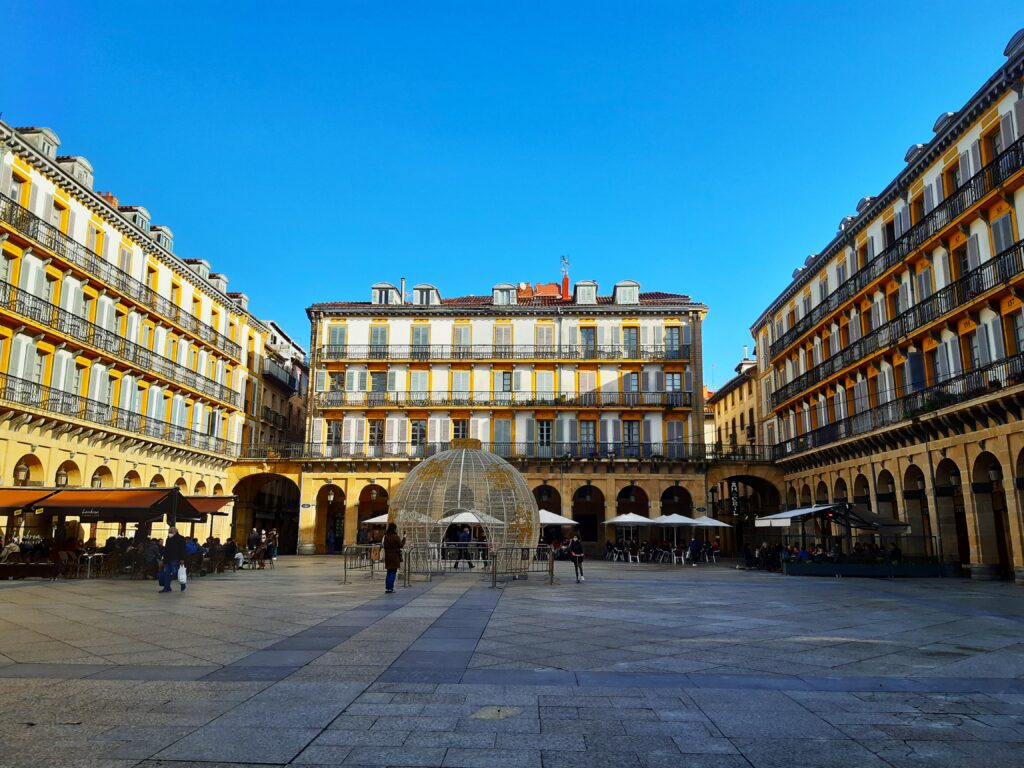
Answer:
(307, 517)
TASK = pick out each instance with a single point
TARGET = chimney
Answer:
(745, 350)
(565, 287)
(109, 197)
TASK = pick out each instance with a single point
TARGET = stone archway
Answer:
(67, 475)
(330, 520)
(885, 495)
(791, 498)
(839, 491)
(805, 496)
(993, 551)
(821, 493)
(632, 499)
(739, 500)
(951, 515)
(267, 501)
(916, 514)
(131, 479)
(588, 509)
(548, 498)
(157, 481)
(676, 500)
(102, 477)
(200, 489)
(373, 501)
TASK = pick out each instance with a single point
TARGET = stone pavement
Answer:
(638, 666)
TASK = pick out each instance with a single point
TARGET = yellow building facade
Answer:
(891, 369)
(592, 397)
(121, 365)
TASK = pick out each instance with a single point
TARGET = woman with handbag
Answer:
(392, 546)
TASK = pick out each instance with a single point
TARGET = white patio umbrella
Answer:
(468, 517)
(378, 520)
(710, 522)
(550, 518)
(629, 520)
(673, 521)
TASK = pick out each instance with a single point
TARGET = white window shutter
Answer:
(973, 252)
(645, 382)
(940, 192)
(403, 430)
(984, 355)
(360, 432)
(321, 381)
(33, 196)
(965, 167)
(1018, 114)
(361, 380)
(954, 355)
(350, 381)
(996, 332)
(432, 430)
(871, 247)
(517, 381)
(1006, 130)
(389, 431)
(688, 380)
(559, 431)
(346, 430)
(929, 199)
(976, 156)
(391, 381)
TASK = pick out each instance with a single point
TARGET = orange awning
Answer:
(15, 499)
(119, 504)
(210, 504)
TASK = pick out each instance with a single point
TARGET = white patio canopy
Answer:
(710, 522)
(378, 520)
(787, 518)
(550, 518)
(673, 519)
(629, 519)
(469, 517)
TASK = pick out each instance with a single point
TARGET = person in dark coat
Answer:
(695, 550)
(392, 545)
(174, 554)
(576, 553)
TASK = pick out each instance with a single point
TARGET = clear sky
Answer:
(308, 150)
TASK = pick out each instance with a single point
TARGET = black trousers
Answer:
(578, 564)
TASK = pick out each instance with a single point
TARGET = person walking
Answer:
(174, 556)
(465, 538)
(392, 546)
(576, 553)
(695, 550)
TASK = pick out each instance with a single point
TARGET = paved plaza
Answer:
(638, 666)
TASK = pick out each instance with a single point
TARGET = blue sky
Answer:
(310, 150)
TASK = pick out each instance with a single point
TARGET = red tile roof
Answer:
(652, 298)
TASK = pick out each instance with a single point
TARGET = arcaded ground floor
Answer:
(637, 666)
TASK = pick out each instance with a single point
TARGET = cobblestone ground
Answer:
(638, 666)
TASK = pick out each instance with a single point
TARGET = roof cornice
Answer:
(48, 167)
(995, 87)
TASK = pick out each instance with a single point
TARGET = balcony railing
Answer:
(274, 418)
(988, 179)
(71, 250)
(558, 451)
(30, 394)
(964, 291)
(504, 352)
(43, 312)
(275, 370)
(342, 399)
(954, 390)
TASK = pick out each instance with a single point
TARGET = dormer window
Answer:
(627, 292)
(586, 292)
(426, 295)
(504, 295)
(384, 293)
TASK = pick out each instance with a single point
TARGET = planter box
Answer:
(916, 571)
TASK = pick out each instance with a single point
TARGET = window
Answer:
(545, 339)
(588, 342)
(806, 304)
(822, 289)
(336, 338)
(631, 437)
(994, 145)
(376, 433)
(334, 432)
(502, 435)
(17, 191)
(631, 382)
(673, 350)
(418, 432)
(1002, 233)
(505, 381)
(631, 342)
(460, 385)
(56, 215)
(382, 296)
(588, 438)
(586, 294)
(1018, 332)
(504, 296)
(460, 429)
(924, 284)
(503, 341)
(420, 342)
(841, 271)
(378, 341)
(460, 342)
(544, 430)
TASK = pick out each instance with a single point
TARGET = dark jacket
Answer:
(174, 549)
(576, 549)
(253, 540)
(393, 544)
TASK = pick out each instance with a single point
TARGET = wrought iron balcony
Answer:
(276, 371)
(29, 394)
(956, 389)
(51, 238)
(343, 399)
(557, 451)
(44, 313)
(504, 352)
(985, 181)
(275, 419)
(963, 292)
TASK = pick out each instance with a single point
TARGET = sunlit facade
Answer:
(891, 368)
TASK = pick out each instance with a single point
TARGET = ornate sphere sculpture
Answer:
(466, 485)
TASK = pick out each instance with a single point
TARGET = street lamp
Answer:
(62, 477)
(127, 481)
(97, 480)
(21, 473)
(330, 496)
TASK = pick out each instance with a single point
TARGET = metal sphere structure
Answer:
(465, 486)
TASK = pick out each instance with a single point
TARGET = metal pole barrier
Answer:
(494, 569)
(344, 566)
(405, 562)
(551, 566)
